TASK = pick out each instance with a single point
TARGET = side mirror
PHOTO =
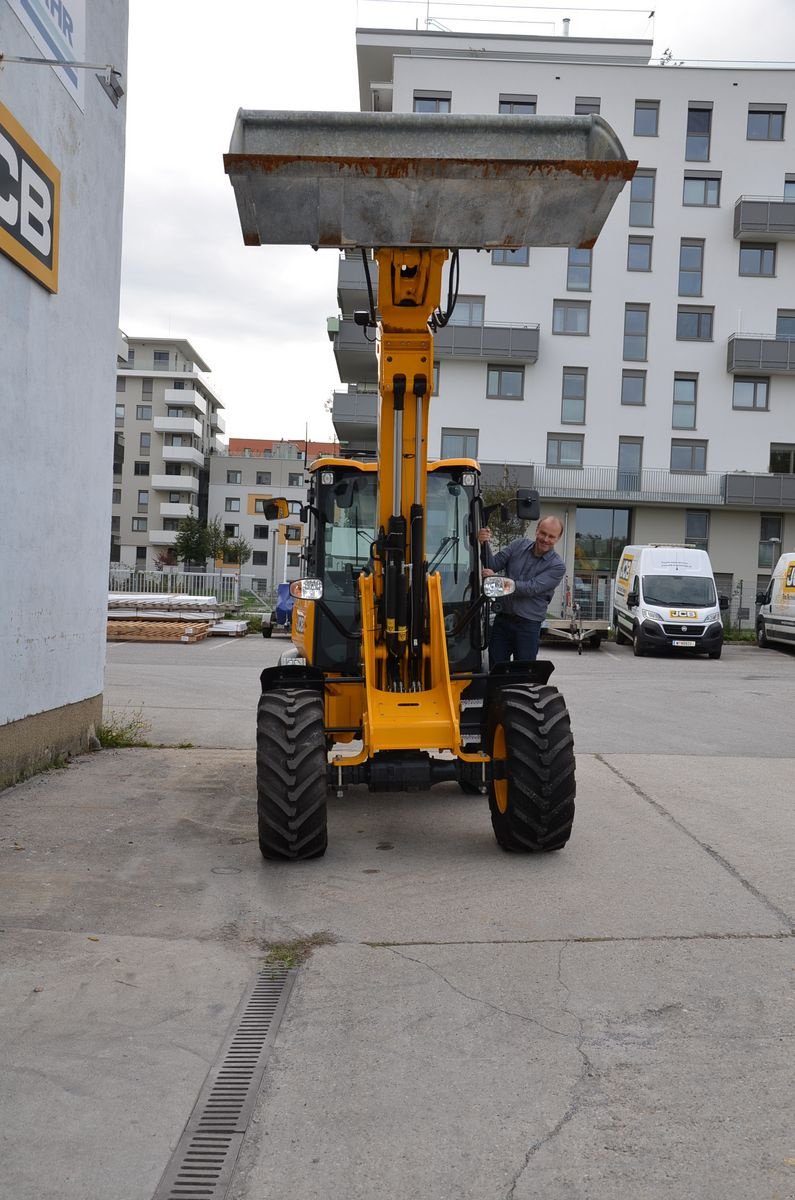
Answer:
(761, 597)
(528, 507)
(277, 510)
(632, 600)
(723, 603)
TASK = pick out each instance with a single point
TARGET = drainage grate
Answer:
(202, 1164)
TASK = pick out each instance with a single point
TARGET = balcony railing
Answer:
(760, 491)
(518, 343)
(764, 217)
(651, 485)
(174, 483)
(757, 355)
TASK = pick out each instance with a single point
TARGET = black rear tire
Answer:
(621, 638)
(531, 744)
(715, 653)
(267, 630)
(761, 637)
(638, 649)
(291, 774)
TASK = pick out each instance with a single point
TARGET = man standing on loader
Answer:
(536, 570)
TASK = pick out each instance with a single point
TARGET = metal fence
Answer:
(225, 586)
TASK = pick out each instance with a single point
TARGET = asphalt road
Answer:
(612, 1021)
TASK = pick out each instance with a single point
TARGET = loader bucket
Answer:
(423, 180)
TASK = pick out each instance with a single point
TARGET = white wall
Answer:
(58, 372)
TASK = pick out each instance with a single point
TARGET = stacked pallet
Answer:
(149, 630)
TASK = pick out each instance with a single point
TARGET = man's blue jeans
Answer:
(513, 637)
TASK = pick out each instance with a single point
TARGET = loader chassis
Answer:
(388, 687)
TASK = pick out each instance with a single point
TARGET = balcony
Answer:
(217, 422)
(183, 454)
(187, 425)
(162, 537)
(651, 485)
(174, 483)
(351, 284)
(760, 355)
(764, 218)
(189, 398)
(179, 510)
(355, 417)
(745, 490)
(356, 361)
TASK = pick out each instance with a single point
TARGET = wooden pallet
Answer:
(120, 630)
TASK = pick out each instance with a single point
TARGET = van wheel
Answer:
(621, 638)
(531, 797)
(267, 630)
(761, 637)
(715, 653)
(638, 649)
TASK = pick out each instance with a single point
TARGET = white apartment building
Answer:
(646, 387)
(168, 424)
(61, 192)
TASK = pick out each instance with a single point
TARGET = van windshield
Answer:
(679, 591)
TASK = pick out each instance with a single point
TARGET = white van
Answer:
(666, 596)
(775, 621)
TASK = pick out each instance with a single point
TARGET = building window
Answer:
(647, 118)
(633, 387)
(293, 560)
(468, 310)
(119, 414)
(432, 102)
(688, 457)
(232, 504)
(564, 450)
(639, 253)
(263, 478)
(758, 258)
(789, 187)
(259, 558)
(691, 267)
(571, 316)
(121, 383)
(782, 459)
(502, 257)
(115, 524)
(785, 323)
(161, 359)
(139, 524)
(145, 440)
(292, 533)
(636, 332)
(751, 393)
(261, 531)
(143, 499)
(693, 324)
(234, 477)
(459, 443)
(179, 385)
(518, 106)
(583, 105)
(505, 383)
(141, 468)
(171, 411)
(261, 505)
(697, 529)
(143, 412)
(641, 198)
(578, 270)
(770, 535)
(116, 496)
(572, 405)
(766, 122)
(231, 531)
(295, 480)
(140, 554)
(435, 383)
(699, 128)
(146, 387)
(684, 407)
(630, 455)
(175, 497)
(701, 191)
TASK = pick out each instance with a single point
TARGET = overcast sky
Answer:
(258, 315)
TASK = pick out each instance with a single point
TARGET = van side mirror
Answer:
(633, 600)
(723, 603)
(528, 507)
(761, 597)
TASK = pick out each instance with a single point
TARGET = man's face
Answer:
(547, 534)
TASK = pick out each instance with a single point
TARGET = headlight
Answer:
(647, 615)
(495, 586)
(307, 589)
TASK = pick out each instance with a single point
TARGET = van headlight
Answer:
(647, 615)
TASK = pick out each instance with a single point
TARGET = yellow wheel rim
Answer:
(499, 753)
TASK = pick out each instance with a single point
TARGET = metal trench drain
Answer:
(204, 1159)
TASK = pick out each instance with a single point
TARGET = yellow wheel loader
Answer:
(386, 685)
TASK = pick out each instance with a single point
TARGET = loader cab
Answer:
(451, 549)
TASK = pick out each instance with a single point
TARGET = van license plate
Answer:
(680, 643)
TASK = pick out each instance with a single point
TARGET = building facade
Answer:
(645, 387)
(168, 424)
(61, 189)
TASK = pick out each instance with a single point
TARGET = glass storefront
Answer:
(601, 535)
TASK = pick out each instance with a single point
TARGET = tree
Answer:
(217, 540)
(165, 558)
(191, 544)
(237, 550)
(503, 522)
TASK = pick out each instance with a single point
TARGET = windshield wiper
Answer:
(444, 546)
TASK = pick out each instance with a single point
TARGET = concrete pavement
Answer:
(611, 1021)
